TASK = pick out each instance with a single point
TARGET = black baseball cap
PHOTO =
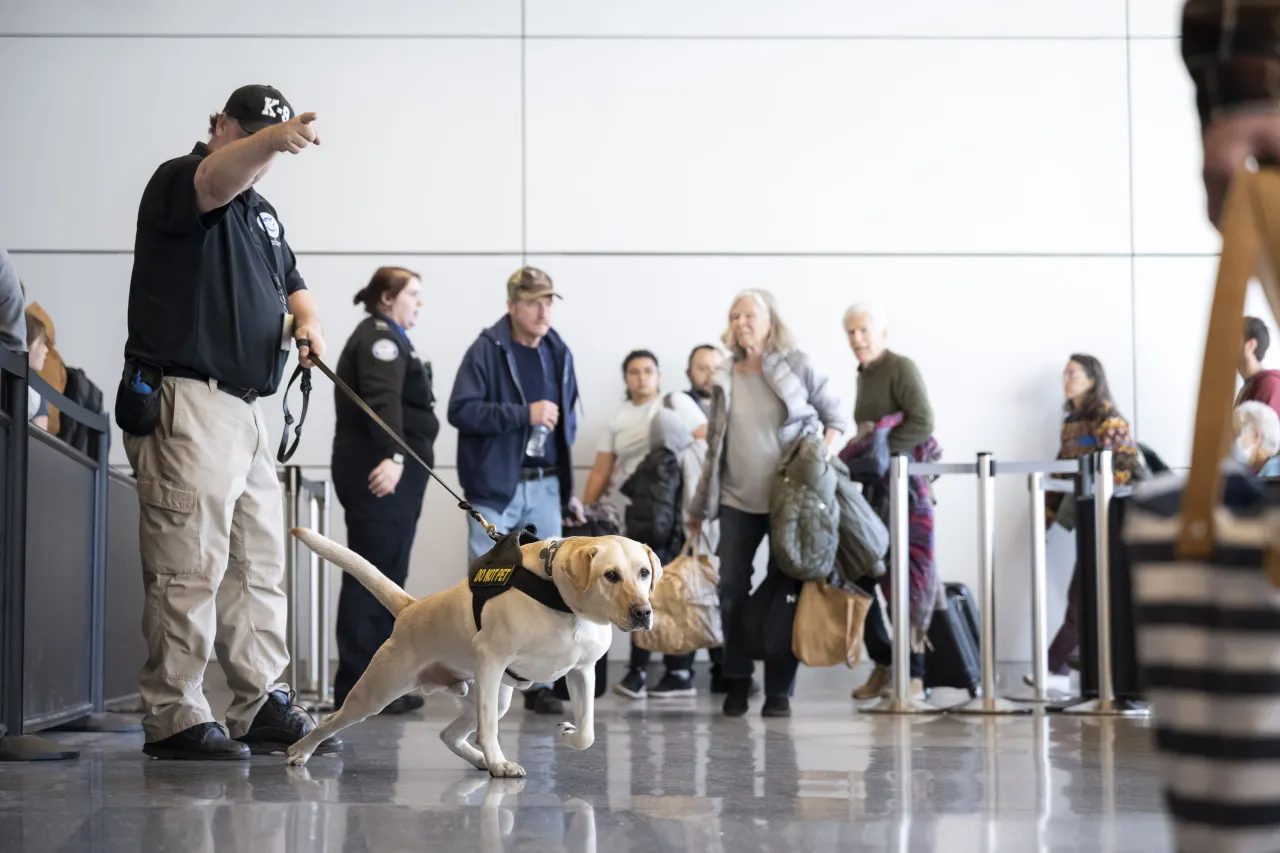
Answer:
(256, 107)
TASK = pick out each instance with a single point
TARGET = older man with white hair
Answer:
(1257, 428)
(890, 388)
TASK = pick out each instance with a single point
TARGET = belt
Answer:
(529, 475)
(240, 393)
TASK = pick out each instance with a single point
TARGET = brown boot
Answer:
(878, 684)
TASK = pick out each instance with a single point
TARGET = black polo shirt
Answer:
(209, 293)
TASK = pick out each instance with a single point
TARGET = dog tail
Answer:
(383, 588)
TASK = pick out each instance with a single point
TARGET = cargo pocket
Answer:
(170, 528)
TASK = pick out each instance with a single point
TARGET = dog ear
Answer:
(576, 565)
(656, 565)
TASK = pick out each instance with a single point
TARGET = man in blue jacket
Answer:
(513, 406)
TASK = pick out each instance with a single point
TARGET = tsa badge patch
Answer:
(385, 349)
(268, 223)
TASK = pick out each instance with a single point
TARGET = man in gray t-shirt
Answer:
(13, 325)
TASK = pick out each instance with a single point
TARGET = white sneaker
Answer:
(1052, 683)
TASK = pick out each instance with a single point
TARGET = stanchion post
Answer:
(1103, 488)
(901, 702)
(325, 686)
(293, 477)
(1040, 663)
(988, 702)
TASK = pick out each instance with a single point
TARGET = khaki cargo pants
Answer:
(212, 543)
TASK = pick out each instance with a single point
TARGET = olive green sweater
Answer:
(889, 385)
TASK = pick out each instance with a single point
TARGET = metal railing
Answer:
(1096, 467)
(313, 684)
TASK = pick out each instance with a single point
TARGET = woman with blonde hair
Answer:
(767, 395)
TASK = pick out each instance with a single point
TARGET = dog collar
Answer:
(548, 555)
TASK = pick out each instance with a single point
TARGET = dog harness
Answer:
(501, 570)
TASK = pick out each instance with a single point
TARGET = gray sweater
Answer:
(811, 407)
(13, 321)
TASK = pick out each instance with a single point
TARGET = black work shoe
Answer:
(632, 685)
(673, 686)
(776, 706)
(279, 725)
(404, 704)
(735, 702)
(720, 685)
(543, 701)
(201, 742)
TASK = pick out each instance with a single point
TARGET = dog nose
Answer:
(641, 614)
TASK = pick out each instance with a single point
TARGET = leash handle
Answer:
(490, 529)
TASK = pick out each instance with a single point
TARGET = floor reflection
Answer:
(660, 777)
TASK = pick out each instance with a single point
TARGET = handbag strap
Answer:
(1250, 240)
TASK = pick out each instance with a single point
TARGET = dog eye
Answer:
(612, 576)
(644, 573)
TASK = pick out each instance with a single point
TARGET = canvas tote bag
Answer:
(686, 605)
(1206, 569)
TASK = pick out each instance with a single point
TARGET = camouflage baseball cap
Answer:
(529, 283)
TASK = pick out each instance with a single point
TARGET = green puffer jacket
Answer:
(804, 516)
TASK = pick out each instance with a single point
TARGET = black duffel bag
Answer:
(765, 622)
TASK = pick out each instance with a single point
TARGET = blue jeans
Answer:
(536, 502)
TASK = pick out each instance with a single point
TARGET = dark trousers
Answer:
(1067, 641)
(363, 623)
(740, 536)
(640, 659)
(876, 636)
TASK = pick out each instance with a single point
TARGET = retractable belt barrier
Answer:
(313, 686)
(1096, 467)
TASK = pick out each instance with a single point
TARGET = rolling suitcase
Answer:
(953, 658)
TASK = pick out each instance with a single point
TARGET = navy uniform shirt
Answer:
(380, 365)
(209, 292)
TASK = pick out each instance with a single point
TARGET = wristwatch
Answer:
(397, 458)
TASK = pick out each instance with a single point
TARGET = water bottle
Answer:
(536, 447)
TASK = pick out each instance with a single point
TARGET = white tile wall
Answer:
(419, 148)
(270, 21)
(1169, 199)
(966, 166)
(1155, 18)
(800, 146)
(764, 18)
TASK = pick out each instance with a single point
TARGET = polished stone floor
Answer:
(663, 776)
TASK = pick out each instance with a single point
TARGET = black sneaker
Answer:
(735, 702)
(201, 742)
(543, 701)
(404, 705)
(674, 686)
(776, 706)
(279, 725)
(632, 686)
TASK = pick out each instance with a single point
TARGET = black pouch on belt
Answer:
(138, 397)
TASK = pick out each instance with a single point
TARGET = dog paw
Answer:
(480, 763)
(506, 770)
(567, 728)
(459, 689)
(297, 757)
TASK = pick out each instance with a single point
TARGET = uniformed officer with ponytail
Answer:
(381, 495)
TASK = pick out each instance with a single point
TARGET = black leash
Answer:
(283, 455)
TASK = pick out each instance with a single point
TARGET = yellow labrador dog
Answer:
(436, 646)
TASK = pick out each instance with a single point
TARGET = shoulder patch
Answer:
(385, 349)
